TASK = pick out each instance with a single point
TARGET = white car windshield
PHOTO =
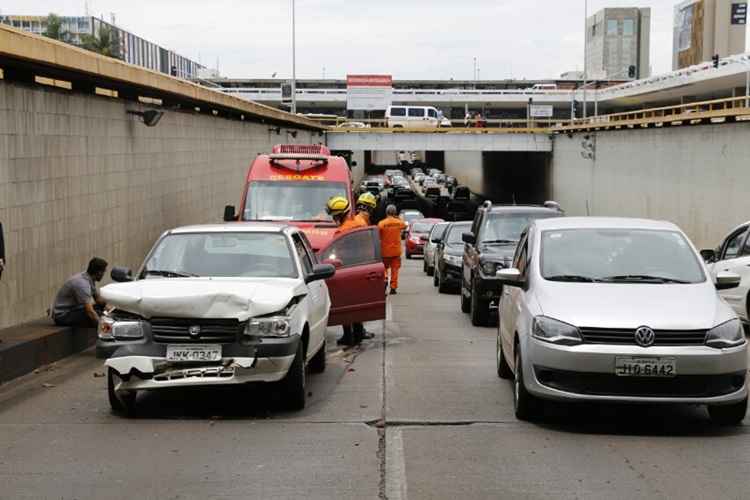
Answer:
(291, 200)
(619, 256)
(222, 255)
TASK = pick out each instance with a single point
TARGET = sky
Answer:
(409, 39)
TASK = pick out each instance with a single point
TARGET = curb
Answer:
(26, 347)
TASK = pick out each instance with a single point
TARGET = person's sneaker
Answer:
(345, 341)
(367, 335)
(393, 291)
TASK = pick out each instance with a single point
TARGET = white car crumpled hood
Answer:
(202, 297)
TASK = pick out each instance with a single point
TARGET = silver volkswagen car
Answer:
(620, 310)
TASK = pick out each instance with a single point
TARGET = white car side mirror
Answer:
(726, 280)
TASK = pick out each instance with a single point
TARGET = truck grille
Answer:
(211, 330)
(624, 336)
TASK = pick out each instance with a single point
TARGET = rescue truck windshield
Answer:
(291, 200)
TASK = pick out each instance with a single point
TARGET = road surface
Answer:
(416, 413)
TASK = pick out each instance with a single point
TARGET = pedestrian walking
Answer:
(78, 302)
(390, 244)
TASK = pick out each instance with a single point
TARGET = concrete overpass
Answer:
(510, 140)
(695, 83)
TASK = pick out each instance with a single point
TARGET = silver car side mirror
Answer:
(726, 280)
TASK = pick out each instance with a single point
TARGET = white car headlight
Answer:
(111, 329)
(729, 334)
(274, 326)
(554, 331)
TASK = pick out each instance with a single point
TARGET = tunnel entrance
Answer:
(516, 177)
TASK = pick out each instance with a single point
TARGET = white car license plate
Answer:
(627, 366)
(204, 352)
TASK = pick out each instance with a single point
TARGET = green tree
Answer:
(104, 42)
(54, 28)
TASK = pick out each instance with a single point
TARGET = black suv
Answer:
(490, 246)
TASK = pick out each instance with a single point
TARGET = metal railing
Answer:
(693, 113)
(713, 111)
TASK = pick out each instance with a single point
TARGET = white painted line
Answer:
(395, 467)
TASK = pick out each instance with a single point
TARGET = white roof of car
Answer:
(232, 227)
(603, 223)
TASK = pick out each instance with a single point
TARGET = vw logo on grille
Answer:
(194, 331)
(645, 336)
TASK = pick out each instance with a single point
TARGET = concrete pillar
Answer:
(466, 166)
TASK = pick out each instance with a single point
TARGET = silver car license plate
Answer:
(631, 366)
(201, 353)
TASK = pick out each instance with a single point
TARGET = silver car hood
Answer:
(625, 305)
(203, 297)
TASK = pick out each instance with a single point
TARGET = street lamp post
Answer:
(294, 63)
(585, 51)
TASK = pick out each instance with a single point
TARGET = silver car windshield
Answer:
(221, 255)
(456, 232)
(507, 228)
(619, 256)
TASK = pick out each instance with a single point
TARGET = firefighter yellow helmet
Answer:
(337, 205)
(368, 199)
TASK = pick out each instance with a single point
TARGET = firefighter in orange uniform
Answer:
(390, 244)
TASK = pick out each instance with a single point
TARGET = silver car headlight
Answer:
(273, 326)
(555, 332)
(111, 329)
(453, 260)
(729, 334)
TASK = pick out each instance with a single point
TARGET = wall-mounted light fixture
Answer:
(275, 129)
(293, 133)
(150, 117)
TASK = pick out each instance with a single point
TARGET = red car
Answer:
(416, 237)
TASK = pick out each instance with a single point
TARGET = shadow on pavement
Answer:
(632, 420)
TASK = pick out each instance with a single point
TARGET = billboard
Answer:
(541, 111)
(368, 92)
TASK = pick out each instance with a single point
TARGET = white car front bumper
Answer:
(154, 373)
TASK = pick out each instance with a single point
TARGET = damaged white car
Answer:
(217, 305)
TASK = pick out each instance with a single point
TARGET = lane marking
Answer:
(395, 466)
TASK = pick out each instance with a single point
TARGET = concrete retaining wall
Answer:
(79, 177)
(697, 177)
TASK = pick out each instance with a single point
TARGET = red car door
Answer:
(357, 290)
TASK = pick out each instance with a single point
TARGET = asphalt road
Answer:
(418, 412)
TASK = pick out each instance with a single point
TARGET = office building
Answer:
(704, 28)
(125, 45)
(617, 39)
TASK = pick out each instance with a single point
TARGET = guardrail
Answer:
(713, 111)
